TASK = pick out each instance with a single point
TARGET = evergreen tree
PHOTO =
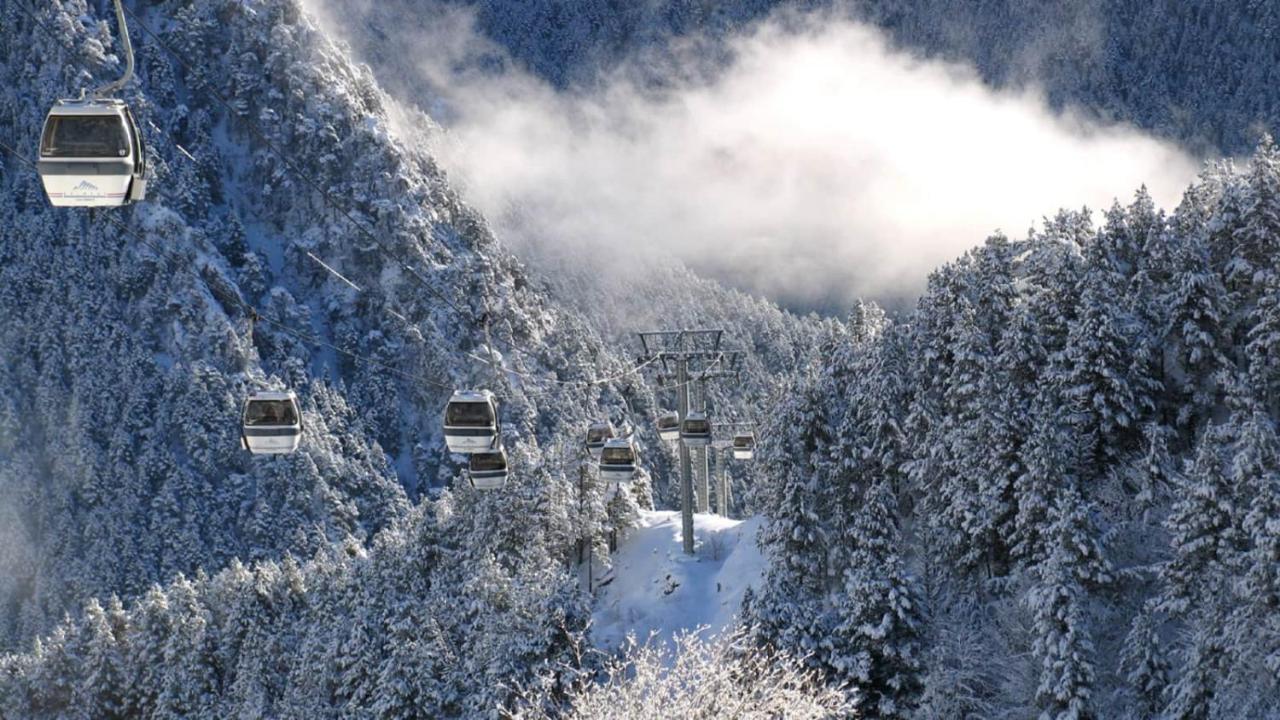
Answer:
(1050, 458)
(1253, 629)
(1193, 696)
(1063, 637)
(1204, 528)
(1147, 669)
(101, 694)
(1108, 386)
(1255, 237)
(1196, 318)
(877, 638)
(789, 607)
(1263, 348)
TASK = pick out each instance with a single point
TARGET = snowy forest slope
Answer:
(124, 368)
(1052, 490)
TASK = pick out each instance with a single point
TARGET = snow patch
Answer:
(655, 590)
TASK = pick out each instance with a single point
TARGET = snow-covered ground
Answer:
(656, 590)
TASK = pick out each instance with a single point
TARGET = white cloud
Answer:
(819, 165)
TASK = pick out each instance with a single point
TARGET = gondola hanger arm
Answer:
(111, 88)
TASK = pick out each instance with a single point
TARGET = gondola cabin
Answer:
(91, 155)
(271, 423)
(669, 426)
(618, 461)
(471, 422)
(488, 470)
(695, 431)
(744, 446)
(597, 435)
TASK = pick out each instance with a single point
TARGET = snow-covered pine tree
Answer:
(1254, 239)
(1050, 458)
(1209, 547)
(1253, 626)
(103, 685)
(1196, 334)
(1194, 694)
(1152, 477)
(1146, 665)
(961, 438)
(876, 642)
(789, 607)
(1263, 347)
(1059, 602)
(1107, 380)
(1204, 528)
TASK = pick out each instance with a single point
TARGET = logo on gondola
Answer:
(86, 186)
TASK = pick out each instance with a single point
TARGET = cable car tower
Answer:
(690, 356)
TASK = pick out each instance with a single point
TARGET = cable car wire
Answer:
(594, 381)
(241, 304)
(336, 274)
(250, 311)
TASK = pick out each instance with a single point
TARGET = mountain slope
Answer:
(128, 351)
(1051, 489)
(427, 622)
(653, 592)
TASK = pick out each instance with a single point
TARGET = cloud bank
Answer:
(817, 166)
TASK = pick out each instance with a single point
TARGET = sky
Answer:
(817, 166)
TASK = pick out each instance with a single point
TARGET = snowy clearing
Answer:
(654, 589)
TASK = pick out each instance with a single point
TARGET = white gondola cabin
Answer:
(744, 446)
(695, 431)
(488, 470)
(669, 426)
(597, 435)
(92, 155)
(271, 423)
(471, 422)
(618, 461)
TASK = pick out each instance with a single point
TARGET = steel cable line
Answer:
(246, 308)
(496, 365)
(251, 312)
(594, 381)
(488, 361)
(718, 361)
